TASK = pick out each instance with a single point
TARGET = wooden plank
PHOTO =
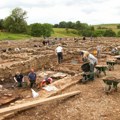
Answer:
(34, 103)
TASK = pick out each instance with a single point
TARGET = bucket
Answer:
(95, 52)
(85, 67)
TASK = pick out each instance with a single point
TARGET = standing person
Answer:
(43, 42)
(91, 38)
(92, 62)
(18, 78)
(99, 49)
(32, 78)
(59, 51)
(84, 38)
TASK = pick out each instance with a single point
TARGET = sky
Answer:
(91, 12)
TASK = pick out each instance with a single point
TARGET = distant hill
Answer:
(107, 26)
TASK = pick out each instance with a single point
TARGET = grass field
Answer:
(58, 32)
(108, 26)
(11, 36)
(61, 32)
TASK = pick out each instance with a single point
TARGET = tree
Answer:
(109, 33)
(78, 25)
(99, 33)
(1, 24)
(56, 26)
(118, 34)
(118, 26)
(62, 24)
(16, 21)
(70, 25)
(47, 30)
(36, 30)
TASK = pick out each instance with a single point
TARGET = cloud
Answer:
(54, 11)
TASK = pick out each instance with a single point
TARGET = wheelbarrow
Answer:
(86, 73)
(111, 64)
(100, 69)
(111, 84)
(117, 59)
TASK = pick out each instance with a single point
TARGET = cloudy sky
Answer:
(54, 11)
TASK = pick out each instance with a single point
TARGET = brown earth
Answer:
(91, 104)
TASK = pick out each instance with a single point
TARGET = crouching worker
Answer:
(18, 78)
(47, 80)
(86, 56)
(32, 78)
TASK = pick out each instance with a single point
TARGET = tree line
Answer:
(83, 29)
(16, 23)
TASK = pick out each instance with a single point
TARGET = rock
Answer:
(2, 79)
(28, 96)
(12, 104)
(10, 95)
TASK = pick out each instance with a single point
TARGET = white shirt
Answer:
(92, 59)
(59, 49)
(99, 48)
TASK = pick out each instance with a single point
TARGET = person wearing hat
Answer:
(18, 78)
(86, 56)
(59, 51)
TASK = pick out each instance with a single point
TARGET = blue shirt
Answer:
(32, 76)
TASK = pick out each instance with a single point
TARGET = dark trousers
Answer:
(91, 71)
(19, 84)
(32, 82)
(60, 57)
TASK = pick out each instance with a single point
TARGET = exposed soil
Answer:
(92, 103)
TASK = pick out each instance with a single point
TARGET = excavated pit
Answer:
(23, 55)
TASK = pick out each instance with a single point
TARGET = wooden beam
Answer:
(34, 103)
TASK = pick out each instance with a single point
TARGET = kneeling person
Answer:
(18, 78)
(47, 80)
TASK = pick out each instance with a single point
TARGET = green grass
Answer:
(58, 32)
(108, 26)
(61, 32)
(11, 36)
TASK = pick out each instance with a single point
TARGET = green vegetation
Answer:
(15, 27)
(62, 32)
(41, 30)
(12, 36)
(58, 32)
(107, 26)
(15, 22)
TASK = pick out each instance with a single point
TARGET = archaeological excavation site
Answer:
(71, 95)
